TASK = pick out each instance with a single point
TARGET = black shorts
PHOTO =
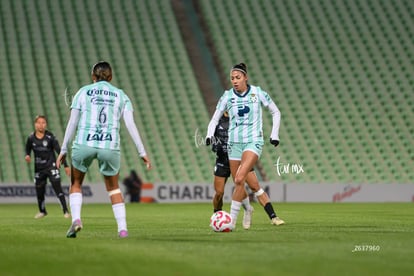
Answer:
(222, 167)
(52, 174)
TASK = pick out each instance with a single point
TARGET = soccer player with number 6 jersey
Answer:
(96, 112)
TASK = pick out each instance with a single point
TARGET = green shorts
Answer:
(109, 160)
(235, 150)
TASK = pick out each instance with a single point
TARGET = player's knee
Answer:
(114, 192)
(40, 185)
(116, 196)
(219, 194)
(239, 180)
(259, 192)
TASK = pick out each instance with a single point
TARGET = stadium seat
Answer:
(348, 81)
(340, 72)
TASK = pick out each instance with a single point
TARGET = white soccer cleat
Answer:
(247, 218)
(74, 228)
(233, 224)
(277, 221)
(40, 215)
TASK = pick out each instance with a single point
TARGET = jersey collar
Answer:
(244, 95)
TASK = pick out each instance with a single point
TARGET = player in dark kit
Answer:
(44, 145)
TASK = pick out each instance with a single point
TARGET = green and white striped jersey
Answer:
(101, 106)
(245, 113)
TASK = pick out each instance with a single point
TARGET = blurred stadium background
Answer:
(340, 71)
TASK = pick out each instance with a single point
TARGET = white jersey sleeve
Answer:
(274, 110)
(274, 135)
(220, 108)
(133, 131)
(70, 130)
(213, 123)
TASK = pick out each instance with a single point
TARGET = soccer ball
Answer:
(221, 221)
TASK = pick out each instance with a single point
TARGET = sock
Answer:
(269, 210)
(40, 192)
(62, 200)
(234, 210)
(41, 205)
(75, 201)
(246, 204)
(216, 210)
(120, 215)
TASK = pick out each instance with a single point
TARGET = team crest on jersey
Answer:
(45, 143)
(253, 98)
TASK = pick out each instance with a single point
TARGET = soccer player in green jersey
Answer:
(96, 112)
(244, 104)
(222, 171)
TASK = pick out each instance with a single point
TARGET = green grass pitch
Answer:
(175, 239)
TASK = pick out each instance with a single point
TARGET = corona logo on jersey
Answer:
(93, 92)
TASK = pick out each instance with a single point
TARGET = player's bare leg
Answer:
(263, 198)
(219, 183)
(248, 209)
(239, 170)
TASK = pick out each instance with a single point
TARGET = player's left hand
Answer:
(147, 162)
(27, 158)
(274, 142)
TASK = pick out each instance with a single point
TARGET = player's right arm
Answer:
(28, 149)
(70, 131)
(221, 107)
(212, 126)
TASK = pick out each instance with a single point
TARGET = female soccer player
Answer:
(244, 104)
(44, 145)
(96, 112)
(222, 171)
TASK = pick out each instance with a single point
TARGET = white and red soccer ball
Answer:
(221, 221)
